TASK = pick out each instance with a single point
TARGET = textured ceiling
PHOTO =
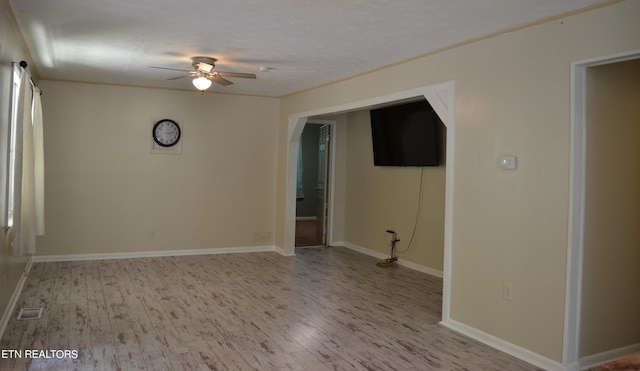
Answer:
(302, 43)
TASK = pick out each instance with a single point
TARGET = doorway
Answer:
(611, 249)
(312, 195)
(603, 213)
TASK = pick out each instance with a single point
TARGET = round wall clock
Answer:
(166, 133)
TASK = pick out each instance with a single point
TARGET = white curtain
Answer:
(38, 164)
(28, 204)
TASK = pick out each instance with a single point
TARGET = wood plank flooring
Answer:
(323, 309)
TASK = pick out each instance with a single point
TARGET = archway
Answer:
(442, 98)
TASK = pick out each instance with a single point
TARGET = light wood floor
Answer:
(324, 309)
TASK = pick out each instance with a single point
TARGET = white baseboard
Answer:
(6, 316)
(281, 251)
(150, 254)
(505, 346)
(608, 356)
(376, 254)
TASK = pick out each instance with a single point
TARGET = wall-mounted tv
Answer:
(405, 135)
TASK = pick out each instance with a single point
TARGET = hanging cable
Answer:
(415, 225)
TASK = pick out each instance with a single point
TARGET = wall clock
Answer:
(166, 133)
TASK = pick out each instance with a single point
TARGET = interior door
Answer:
(322, 188)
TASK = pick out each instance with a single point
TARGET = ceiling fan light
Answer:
(202, 83)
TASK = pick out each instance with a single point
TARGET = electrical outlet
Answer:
(507, 291)
(153, 234)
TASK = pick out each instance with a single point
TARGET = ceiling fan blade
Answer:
(237, 74)
(220, 80)
(179, 77)
(170, 69)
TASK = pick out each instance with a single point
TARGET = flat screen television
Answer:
(405, 135)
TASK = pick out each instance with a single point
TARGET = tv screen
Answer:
(405, 135)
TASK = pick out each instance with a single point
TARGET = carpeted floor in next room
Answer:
(630, 363)
(306, 233)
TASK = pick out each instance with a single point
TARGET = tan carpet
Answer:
(629, 363)
(306, 233)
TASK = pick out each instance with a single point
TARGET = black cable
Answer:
(415, 225)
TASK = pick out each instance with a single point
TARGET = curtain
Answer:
(28, 195)
(38, 164)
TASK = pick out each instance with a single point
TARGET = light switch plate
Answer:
(508, 162)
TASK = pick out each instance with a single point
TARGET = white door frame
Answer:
(573, 296)
(442, 98)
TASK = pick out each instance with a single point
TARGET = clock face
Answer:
(166, 133)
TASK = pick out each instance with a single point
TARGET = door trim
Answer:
(573, 295)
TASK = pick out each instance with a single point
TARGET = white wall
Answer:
(106, 193)
(512, 97)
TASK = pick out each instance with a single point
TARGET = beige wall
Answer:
(381, 198)
(611, 272)
(512, 97)
(106, 193)
(11, 50)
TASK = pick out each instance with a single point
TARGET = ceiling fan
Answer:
(204, 74)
